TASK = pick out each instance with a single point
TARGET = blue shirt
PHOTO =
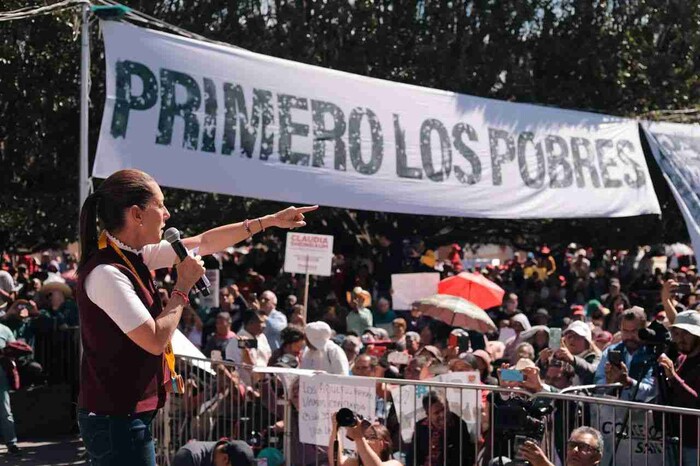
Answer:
(635, 363)
(276, 322)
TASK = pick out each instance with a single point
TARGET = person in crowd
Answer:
(8, 289)
(418, 368)
(7, 420)
(296, 317)
(412, 343)
(321, 353)
(436, 333)
(519, 323)
(584, 448)
(383, 317)
(442, 437)
(191, 326)
(223, 334)
(255, 351)
(683, 379)
(538, 337)
(61, 310)
(222, 453)
(579, 351)
(399, 334)
(293, 342)
(485, 368)
(578, 313)
(276, 320)
(523, 351)
(634, 358)
(195, 453)
(614, 291)
(359, 318)
(373, 443)
(415, 321)
(618, 304)
(352, 346)
(602, 339)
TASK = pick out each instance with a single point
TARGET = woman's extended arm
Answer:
(219, 238)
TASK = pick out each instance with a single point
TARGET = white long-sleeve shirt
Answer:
(111, 290)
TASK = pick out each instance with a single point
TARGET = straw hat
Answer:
(366, 296)
(56, 286)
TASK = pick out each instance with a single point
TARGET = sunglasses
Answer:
(582, 447)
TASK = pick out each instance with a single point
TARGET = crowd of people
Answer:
(599, 300)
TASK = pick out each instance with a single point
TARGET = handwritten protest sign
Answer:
(322, 395)
(644, 444)
(408, 401)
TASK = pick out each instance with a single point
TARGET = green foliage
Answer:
(617, 57)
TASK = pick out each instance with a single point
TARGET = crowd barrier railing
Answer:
(489, 422)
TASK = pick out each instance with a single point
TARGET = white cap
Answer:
(688, 321)
(581, 329)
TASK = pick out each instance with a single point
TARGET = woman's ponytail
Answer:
(88, 229)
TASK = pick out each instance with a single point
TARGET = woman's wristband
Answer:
(182, 295)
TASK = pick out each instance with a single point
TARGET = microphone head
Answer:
(171, 235)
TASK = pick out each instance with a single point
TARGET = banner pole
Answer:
(84, 184)
(306, 289)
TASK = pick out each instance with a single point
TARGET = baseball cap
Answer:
(239, 452)
(412, 336)
(688, 321)
(580, 328)
(578, 310)
(483, 355)
(524, 363)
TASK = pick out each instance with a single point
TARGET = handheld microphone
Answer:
(172, 236)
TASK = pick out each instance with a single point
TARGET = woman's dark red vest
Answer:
(117, 376)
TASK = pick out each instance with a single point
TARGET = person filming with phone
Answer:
(578, 350)
(251, 346)
(624, 362)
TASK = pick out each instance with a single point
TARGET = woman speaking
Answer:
(127, 364)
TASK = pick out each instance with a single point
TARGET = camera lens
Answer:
(345, 417)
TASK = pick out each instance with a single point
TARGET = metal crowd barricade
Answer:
(215, 407)
(58, 352)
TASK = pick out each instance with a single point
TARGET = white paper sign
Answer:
(646, 440)
(208, 117)
(408, 400)
(410, 287)
(322, 395)
(306, 252)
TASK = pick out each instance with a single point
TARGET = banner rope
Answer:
(31, 12)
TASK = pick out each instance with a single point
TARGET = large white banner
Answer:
(213, 118)
(677, 151)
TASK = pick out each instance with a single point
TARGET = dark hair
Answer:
(635, 313)
(434, 397)
(117, 193)
(381, 433)
(250, 317)
(291, 334)
(224, 315)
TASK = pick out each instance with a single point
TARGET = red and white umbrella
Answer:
(473, 287)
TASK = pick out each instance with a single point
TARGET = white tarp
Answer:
(676, 148)
(213, 118)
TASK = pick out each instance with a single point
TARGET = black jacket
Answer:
(457, 433)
